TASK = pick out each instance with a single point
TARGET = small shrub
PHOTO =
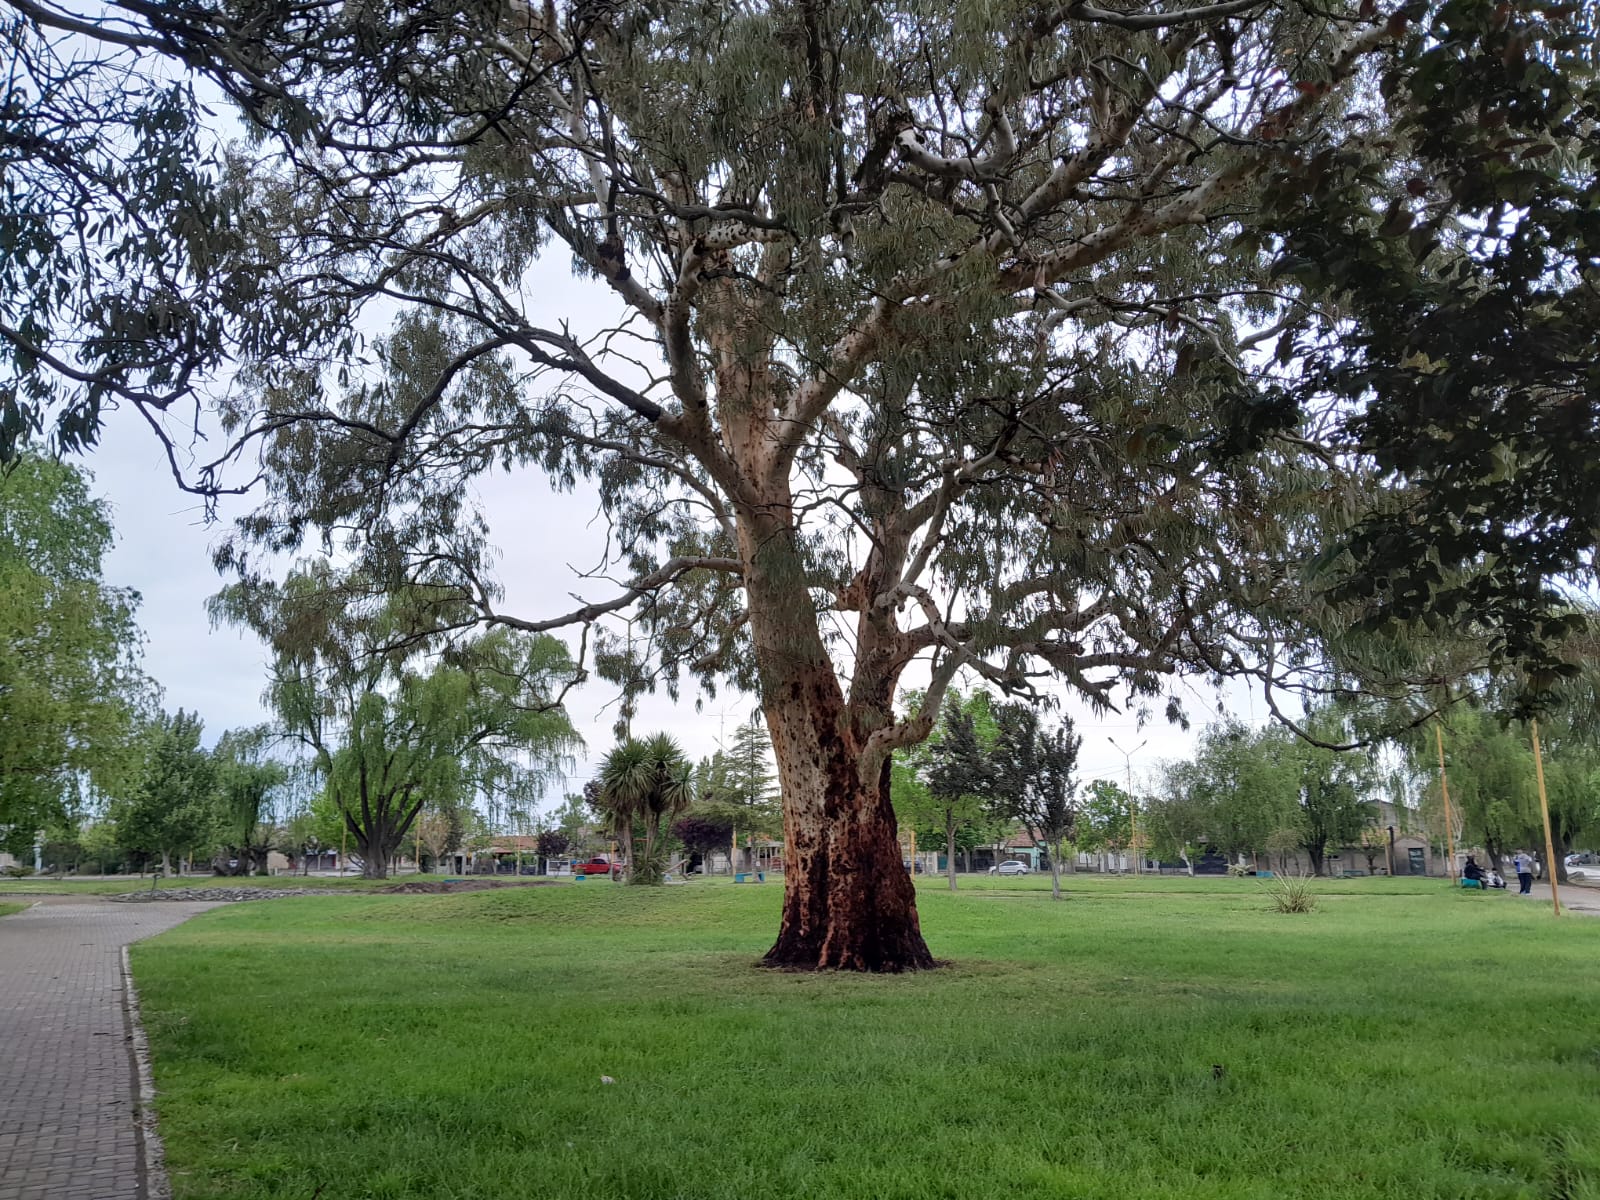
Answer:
(18, 871)
(1291, 894)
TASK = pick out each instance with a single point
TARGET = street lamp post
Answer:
(1133, 801)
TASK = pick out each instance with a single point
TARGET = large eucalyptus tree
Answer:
(933, 341)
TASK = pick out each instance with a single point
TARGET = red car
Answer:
(598, 865)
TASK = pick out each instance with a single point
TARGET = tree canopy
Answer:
(71, 692)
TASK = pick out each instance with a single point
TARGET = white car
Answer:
(1011, 866)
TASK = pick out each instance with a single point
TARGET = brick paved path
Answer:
(69, 1113)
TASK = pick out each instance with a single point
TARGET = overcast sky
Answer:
(545, 538)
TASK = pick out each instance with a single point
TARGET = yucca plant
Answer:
(644, 783)
(1291, 894)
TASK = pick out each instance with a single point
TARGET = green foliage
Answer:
(1235, 792)
(643, 785)
(70, 688)
(1493, 788)
(394, 716)
(1248, 791)
(1033, 778)
(737, 786)
(943, 787)
(246, 778)
(113, 229)
(1464, 267)
(1333, 786)
(170, 809)
(1105, 821)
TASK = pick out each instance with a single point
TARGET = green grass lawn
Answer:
(7, 908)
(1145, 1038)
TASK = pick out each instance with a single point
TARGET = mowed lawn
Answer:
(1143, 1038)
(7, 907)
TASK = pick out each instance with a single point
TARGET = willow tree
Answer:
(394, 722)
(932, 341)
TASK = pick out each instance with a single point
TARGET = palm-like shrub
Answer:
(643, 785)
(1291, 894)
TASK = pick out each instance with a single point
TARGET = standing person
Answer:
(1524, 875)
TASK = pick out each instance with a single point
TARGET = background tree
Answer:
(392, 728)
(1105, 818)
(71, 693)
(643, 785)
(737, 784)
(956, 775)
(1243, 786)
(574, 820)
(438, 831)
(1176, 819)
(1492, 790)
(704, 833)
(1034, 780)
(169, 811)
(1332, 787)
(246, 816)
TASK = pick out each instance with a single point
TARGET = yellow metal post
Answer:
(1444, 790)
(1544, 811)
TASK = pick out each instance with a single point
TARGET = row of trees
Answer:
(398, 708)
(393, 724)
(1265, 791)
(1494, 801)
(177, 803)
(72, 696)
(1268, 793)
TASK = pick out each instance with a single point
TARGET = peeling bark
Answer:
(848, 903)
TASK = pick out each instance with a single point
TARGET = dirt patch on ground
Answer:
(435, 887)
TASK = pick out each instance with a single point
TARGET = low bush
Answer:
(1291, 894)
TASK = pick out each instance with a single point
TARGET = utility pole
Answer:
(1544, 810)
(1133, 801)
(1444, 792)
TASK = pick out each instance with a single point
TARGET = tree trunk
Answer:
(950, 849)
(1055, 876)
(848, 902)
(374, 863)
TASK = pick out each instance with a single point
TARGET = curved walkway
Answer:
(70, 1110)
